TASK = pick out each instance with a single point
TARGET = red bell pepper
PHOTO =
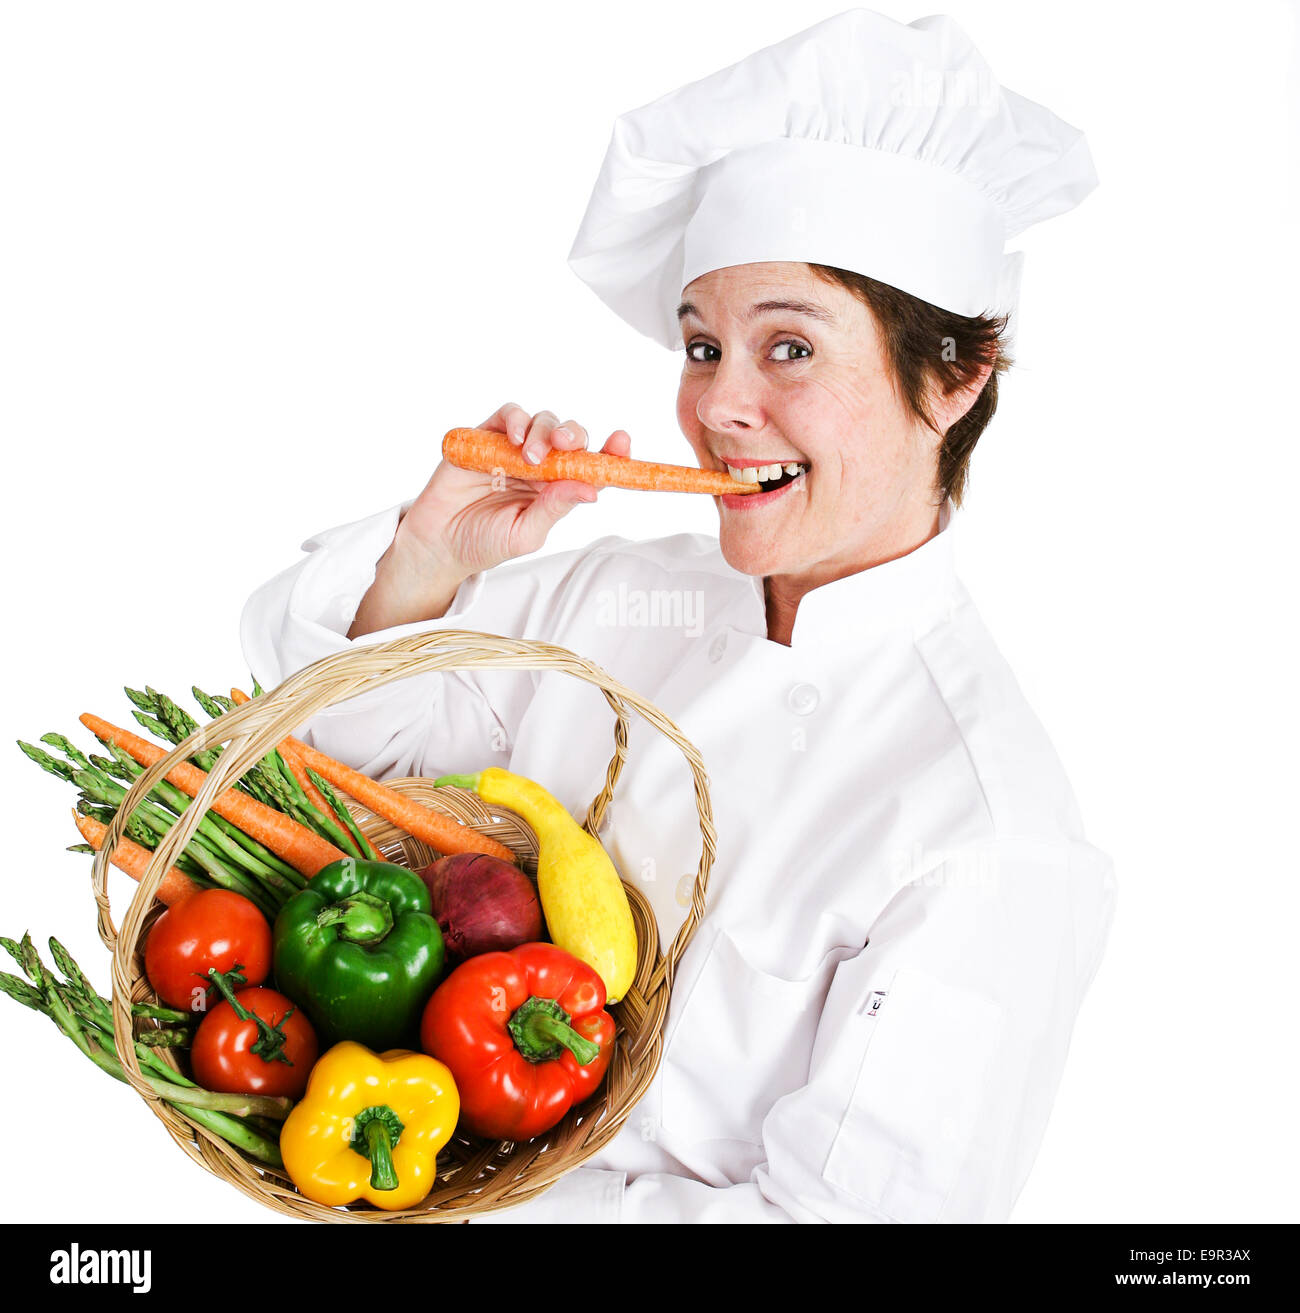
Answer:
(525, 1035)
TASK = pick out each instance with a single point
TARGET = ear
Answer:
(948, 409)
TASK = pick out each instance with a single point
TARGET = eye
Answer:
(702, 352)
(791, 350)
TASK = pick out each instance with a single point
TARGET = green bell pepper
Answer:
(360, 953)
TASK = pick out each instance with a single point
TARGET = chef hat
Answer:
(885, 148)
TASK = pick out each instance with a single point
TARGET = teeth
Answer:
(764, 473)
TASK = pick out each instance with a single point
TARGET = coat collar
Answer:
(901, 594)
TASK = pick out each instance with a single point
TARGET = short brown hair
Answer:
(927, 347)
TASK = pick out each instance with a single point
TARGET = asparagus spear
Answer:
(215, 848)
(214, 833)
(326, 790)
(163, 718)
(283, 792)
(221, 835)
(150, 723)
(214, 706)
(291, 799)
(167, 1039)
(208, 846)
(69, 750)
(260, 860)
(86, 1019)
(179, 721)
(139, 833)
(62, 769)
(173, 724)
(223, 863)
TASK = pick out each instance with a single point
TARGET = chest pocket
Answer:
(743, 1039)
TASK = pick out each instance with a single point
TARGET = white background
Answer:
(256, 258)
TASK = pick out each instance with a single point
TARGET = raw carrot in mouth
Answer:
(487, 452)
(130, 857)
(444, 833)
(304, 850)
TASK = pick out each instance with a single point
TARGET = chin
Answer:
(754, 558)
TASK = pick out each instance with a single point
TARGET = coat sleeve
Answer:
(937, 1058)
(425, 725)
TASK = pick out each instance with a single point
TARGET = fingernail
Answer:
(531, 456)
(561, 432)
(516, 437)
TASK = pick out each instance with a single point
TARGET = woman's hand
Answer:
(464, 522)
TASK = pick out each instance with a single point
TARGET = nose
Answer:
(733, 400)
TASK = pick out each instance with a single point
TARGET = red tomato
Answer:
(222, 1057)
(213, 928)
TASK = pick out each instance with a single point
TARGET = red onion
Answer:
(482, 904)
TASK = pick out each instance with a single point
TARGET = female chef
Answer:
(872, 1020)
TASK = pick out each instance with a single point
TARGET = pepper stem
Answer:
(542, 1031)
(375, 1134)
(469, 782)
(362, 918)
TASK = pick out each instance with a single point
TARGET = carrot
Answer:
(323, 805)
(444, 833)
(479, 449)
(294, 763)
(296, 844)
(314, 795)
(130, 857)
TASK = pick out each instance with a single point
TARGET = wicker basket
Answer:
(474, 1176)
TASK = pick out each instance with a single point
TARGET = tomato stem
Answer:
(269, 1045)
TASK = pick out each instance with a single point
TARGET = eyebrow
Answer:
(767, 307)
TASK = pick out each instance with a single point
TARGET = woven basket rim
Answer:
(510, 1174)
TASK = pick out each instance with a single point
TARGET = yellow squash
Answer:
(586, 909)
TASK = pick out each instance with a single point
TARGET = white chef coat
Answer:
(872, 1019)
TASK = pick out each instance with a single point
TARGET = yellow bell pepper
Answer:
(370, 1126)
(586, 908)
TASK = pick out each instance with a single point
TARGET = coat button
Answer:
(803, 699)
(717, 648)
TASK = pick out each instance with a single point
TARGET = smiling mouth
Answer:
(771, 476)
